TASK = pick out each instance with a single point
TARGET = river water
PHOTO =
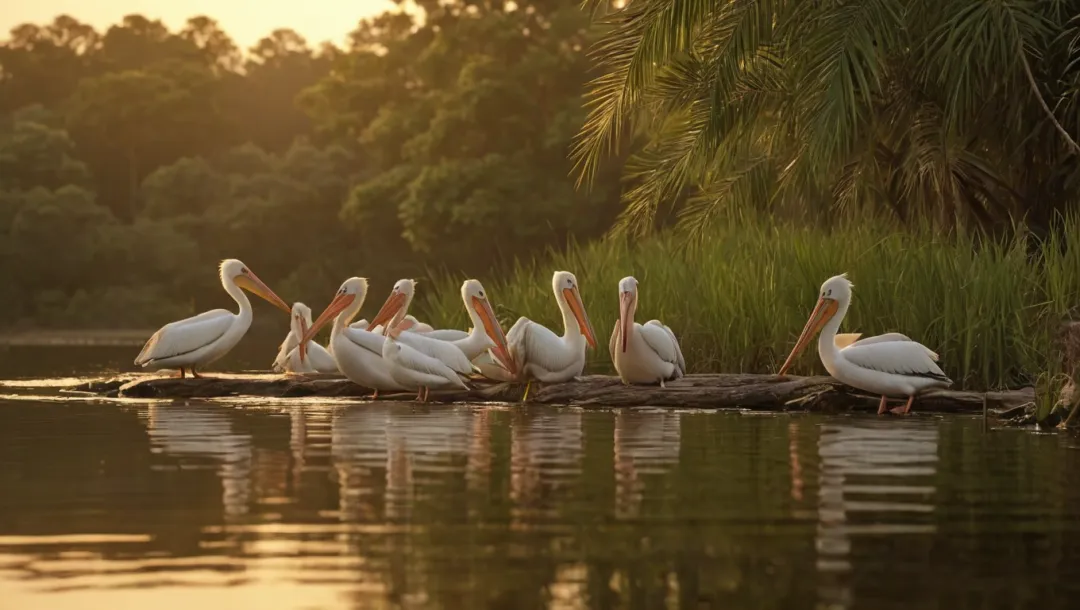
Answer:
(321, 504)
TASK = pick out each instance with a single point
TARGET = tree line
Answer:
(132, 160)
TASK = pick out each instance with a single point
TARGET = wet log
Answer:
(753, 392)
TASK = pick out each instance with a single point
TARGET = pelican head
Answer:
(395, 306)
(301, 319)
(482, 315)
(835, 292)
(236, 273)
(566, 290)
(627, 306)
(350, 296)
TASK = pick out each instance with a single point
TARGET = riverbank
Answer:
(738, 300)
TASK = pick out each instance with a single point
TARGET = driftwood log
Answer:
(753, 392)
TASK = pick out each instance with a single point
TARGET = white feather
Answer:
(414, 369)
(541, 354)
(899, 357)
(186, 341)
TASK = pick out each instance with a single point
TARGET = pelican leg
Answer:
(427, 393)
(194, 374)
(662, 383)
(881, 406)
(375, 396)
(181, 375)
(907, 407)
(420, 394)
(526, 394)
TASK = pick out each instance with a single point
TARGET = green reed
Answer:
(737, 301)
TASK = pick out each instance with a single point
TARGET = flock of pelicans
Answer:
(395, 351)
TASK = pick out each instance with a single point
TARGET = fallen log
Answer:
(752, 392)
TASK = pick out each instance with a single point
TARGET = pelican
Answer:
(889, 364)
(202, 339)
(318, 359)
(409, 323)
(537, 353)
(643, 354)
(392, 314)
(358, 353)
(413, 369)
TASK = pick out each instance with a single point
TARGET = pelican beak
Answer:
(573, 297)
(300, 322)
(335, 307)
(393, 305)
(495, 333)
(627, 304)
(251, 282)
(823, 312)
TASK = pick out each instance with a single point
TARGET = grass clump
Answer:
(738, 300)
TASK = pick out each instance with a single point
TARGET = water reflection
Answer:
(645, 443)
(206, 434)
(874, 477)
(407, 506)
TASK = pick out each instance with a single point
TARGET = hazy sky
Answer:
(245, 20)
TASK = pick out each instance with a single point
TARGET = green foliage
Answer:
(738, 300)
(439, 139)
(957, 111)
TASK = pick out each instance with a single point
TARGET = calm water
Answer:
(319, 504)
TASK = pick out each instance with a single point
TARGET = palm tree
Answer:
(959, 111)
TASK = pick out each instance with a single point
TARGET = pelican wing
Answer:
(420, 362)
(186, 336)
(531, 343)
(892, 337)
(445, 334)
(447, 353)
(364, 339)
(897, 357)
(321, 358)
(662, 341)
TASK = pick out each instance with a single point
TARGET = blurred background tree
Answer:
(132, 160)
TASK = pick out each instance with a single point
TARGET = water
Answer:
(334, 505)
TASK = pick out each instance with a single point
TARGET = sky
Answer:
(245, 20)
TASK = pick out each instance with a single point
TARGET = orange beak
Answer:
(335, 307)
(495, 333)
(573, 298)
(823, 312)
(251, 282)
(627, 305)
(395, 303)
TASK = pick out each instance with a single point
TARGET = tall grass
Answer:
(738, 301)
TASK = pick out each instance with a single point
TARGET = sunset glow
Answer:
(245, 20)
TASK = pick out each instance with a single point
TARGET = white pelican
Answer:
(486, 334)
(418, 371)
(889, 364)
(392, 314)
(646, 353)
(202, 339)
(358, 353)
(537, 353)
(318, 359)
(409, 323)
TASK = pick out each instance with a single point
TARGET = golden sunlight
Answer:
(245, 20)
